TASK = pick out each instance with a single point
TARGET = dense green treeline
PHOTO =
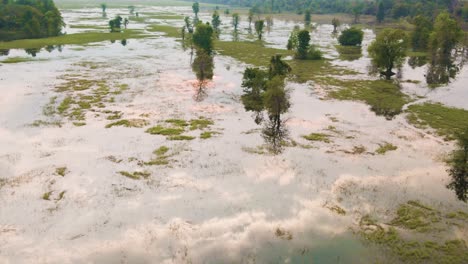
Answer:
(22, 19)
(391, 8)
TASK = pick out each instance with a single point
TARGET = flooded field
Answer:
(112, 152)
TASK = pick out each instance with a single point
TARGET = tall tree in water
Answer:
(196, 8)
(307, 18)
(388, 50)
(380, 13)
(235, 20)
(259, 24)
(421, 33)
(335, 23)
(443, 42)
(215, 21)
(458, 171)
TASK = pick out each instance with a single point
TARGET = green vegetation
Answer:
(46, 196)
(349, 53)
(200, 123)
(128, 123)
(136, 175)
(20, 59)
(318, 137)
(61, 171)
(458, 163)
(181, 137)
(160, 130)
(446, 121)
(351, 37)
(170, 31)
(78, 38)
(384, 97)
(20, 19)
(384, 148)
(206, 134)
(161, 151)
(402, 240)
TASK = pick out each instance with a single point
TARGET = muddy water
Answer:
(216, 201)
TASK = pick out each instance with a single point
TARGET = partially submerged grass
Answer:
(161, 151)
(403, 239)
(384, 148)
(200, 123)
(318, 137)
(20, 59)
(446, 121)
(136, 175)
(207, 134)
(181, 137)
(61, 171)
(170, 31)
(384, 97)
(78, 38)
(177, 122)
(46, 195)
(165, 131)
(129, 123)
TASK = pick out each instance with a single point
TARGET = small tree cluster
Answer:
(115, 24)
(458, 170)
(299, 41)
(351, 37)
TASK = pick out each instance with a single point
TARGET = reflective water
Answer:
(216, 201)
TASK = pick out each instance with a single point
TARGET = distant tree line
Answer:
(22, 19)
(379, 8)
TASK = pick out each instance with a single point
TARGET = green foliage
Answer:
(196, 8)
(203, 65)
(161, 151)
(380, 13)
(215, 21)
(351, 37)
(385, 148)
(24, 19)
(303, 38)
(235, 20)
(421, 33)
(203, 37)
(307, 18)
(254, 84)
(318, 137)
(335, 23)
(458, 170)
(259, 24)
(136, 175)
(61, 171)
(160, 130)
(115, 24)
(278, 67)
(275, 99)
(103, 7)
(388, 50)
(446, 121)
(384, 97)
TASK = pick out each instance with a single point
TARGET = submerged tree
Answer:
(131, 9)
(335, 23)
(196, 8)
(215, 21)
(351, 37)
(458, 171)
(421, 33)
(380, 12)
(303, 39)
(307, 18)
(203, 64)
(115, 24)
(235, 20)
(203, 37)
(388, 51)
(443, 42)
(103, 7)
(250, 17)
(259, 24)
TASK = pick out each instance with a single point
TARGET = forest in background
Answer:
(22, 19)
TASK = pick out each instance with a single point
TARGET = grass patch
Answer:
(161, 151)
(349, 53)
(160, 130)
(177, 122)
(61, 171)
(136, 175)
(128, 123)
(318, 137)
(200, 123)
(170, 31)
(68, 39)
(384, 97)
(46, 196)
(415, 216)
(65, 105)
(206, 134)
(446, 121)
(384, 148)
(20, 59)
(49, 108)
(39, 123)
(181, 137)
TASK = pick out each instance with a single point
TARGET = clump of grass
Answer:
(129, 123)
(318, 137)
(61, 171)
(415, 216)
(181, 137)
(136, 175)
(38, 123)
(446, 121)
(161, 151)
(458, 215)
(206, 134)
(177, 122)
(49, 108)
(170, 31)
(384, 148)
(384, 97)
(200, 123)
(160, 130)
(65, 104)
(46, 196)
(115, 115)
(61, 195)
(78, 124)
(20, 59)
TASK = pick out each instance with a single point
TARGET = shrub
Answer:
(351, 37)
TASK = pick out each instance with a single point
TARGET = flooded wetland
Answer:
(133, 147)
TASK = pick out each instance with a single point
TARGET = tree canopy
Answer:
(351, 37)
(29, 19)
(388, 50)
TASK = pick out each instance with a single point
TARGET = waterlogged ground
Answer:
(110, 153)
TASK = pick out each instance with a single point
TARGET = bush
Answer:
(351, 37)
(314, 54)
